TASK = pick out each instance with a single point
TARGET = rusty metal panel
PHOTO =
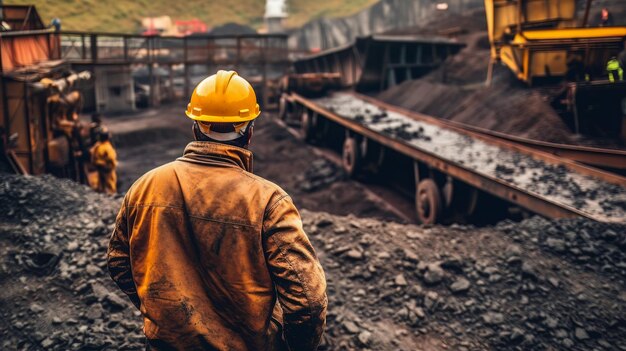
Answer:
(374, 63)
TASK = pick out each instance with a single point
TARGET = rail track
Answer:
(451, 164)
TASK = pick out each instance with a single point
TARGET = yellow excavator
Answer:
(543, 43)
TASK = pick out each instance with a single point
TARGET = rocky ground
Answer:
(535, 285)
(55, 291)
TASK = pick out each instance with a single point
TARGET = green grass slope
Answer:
(125, 16)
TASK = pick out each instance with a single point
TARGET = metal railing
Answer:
(94, 48)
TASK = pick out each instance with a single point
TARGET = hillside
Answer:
(125, 16)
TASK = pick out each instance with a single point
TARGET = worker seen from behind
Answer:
(213, 256)
(104, 159)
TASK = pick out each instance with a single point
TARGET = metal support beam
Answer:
(264, 63)
(586, 18)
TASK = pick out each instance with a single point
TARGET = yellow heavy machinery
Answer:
(543, 43)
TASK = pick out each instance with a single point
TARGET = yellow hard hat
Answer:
(224, 97)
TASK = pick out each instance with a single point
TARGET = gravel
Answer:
(534, 285)
(467, 288)
(55, 291)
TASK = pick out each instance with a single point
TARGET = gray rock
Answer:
(431, 299)
(354, 254)
(364, 338)
(434, 274)
(493, 318)
(400, 280)
(554, 281)
(557, 245)
(581, 334)
(460, 285)
(36, 308)
(93, 270)
(115, 301)
(47, 342)
(94, 312)
(517, 335)
(567, 342)
(529, 270)
(410, 256)
(416, 291)
(351, 327)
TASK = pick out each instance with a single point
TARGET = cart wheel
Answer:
(306, 129)
(351, 157)
(283, 108)
(428, 202)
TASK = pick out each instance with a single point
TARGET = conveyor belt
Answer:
(538, 181)
(614, 159)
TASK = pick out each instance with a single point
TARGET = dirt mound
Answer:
(55, 291)
(517, 286)
(501, 108)
(456, 91)
(53, 196)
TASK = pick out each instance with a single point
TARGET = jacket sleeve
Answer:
(297, 275)
(111, 158)
(118, 257)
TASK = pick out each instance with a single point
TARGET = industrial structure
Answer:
(275, 13)
(31, 54)
(328, 97)
(542, 43)
(414, 152)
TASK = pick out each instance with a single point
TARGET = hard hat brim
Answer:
(221, 119)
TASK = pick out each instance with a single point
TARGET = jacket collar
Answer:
(210, 153)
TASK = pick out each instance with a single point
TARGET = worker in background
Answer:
(213, 256)
(104, 158)
(56, 24)
(614, 70)
(606, 18)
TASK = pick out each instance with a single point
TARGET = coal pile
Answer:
(399, 287)
(321, 173)
(55, 291)
(535, 285)
(599, 248)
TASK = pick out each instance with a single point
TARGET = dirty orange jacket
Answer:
(205, 249)
(104, 157)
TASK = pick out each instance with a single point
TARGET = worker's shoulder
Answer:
(154, 177)
(266, 185)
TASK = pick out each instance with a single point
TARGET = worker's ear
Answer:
(250, 132)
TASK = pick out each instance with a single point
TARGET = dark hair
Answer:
(104, 135)
(241, 142)
(96, 117)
